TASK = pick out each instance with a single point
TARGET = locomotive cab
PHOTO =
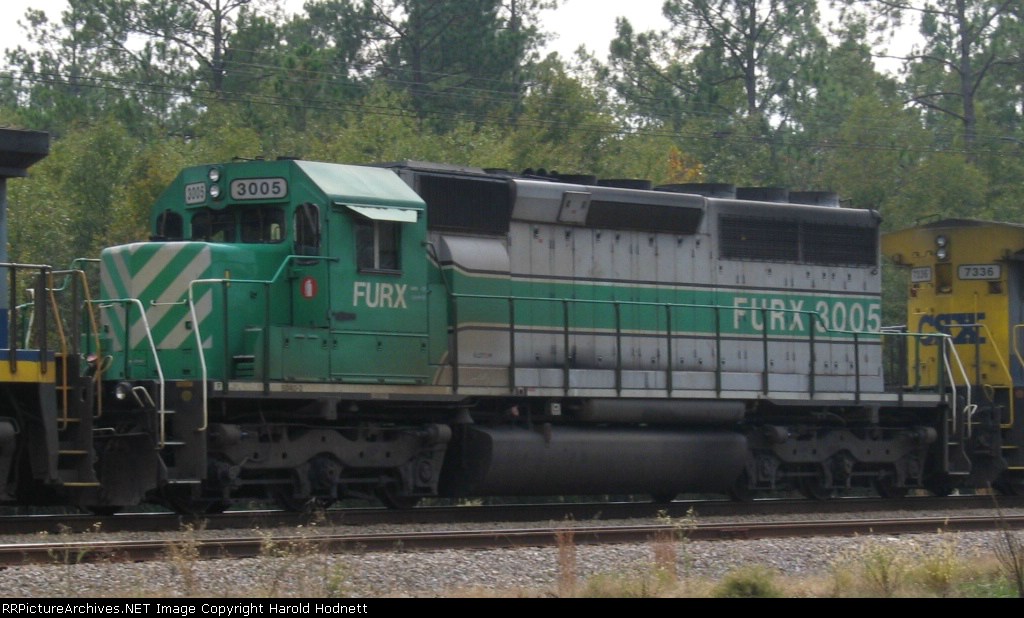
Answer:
(966, 287)
(298, 258)
(267, 288)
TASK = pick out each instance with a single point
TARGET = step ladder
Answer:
(76, 447)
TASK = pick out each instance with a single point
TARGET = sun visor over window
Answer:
(383, 213)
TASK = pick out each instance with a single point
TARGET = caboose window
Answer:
(377, 244)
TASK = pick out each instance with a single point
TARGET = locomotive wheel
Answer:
(887, 488)
(941, 486)
(181, 501)
(285, 498)
(740, 490)
(390, 497)
(813, 488)
(1010, 487)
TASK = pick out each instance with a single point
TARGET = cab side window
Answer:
(377, 245)
(307, 230)
(262, 225)
(169, 226)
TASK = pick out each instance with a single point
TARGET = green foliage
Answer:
(751, 582)
(458, 60)
(642, 585)
(66, 209)
(358, 81)
(876, 148)
(941, 185)
(940, 570)
(884, 569)
(986, 585)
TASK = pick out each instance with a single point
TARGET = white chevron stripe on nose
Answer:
(174, 292)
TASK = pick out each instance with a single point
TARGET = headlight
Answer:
(942, 254)
(122, 391)
(941, 241)
(215, 191)
(214, 174)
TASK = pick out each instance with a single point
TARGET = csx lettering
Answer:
(382, 295)
(964, 328)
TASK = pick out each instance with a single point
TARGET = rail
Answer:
(949, 349)
(112, 302)
(672, 326)
(1002, 365)
(49, 309)
(949, 343)
(14, 309)
(959, 417)
(203, 367)
(74, 278)
(815, 328)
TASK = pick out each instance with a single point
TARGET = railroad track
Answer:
(94, 550)
(578, 512)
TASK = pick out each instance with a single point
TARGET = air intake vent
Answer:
(815, 198)
(707, 189)
(625, 183)
(763, 194)
(578, 179)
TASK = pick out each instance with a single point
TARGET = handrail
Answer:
(51, 291)
(948, 340)
(814, 324)
(195, 319)
(1005, 367)
(12, 313)
(62, 339)
(969, 407)
(110, 302)
(94, 325)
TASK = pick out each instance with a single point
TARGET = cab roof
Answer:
(361, 185)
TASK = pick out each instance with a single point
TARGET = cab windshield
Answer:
(239, 225)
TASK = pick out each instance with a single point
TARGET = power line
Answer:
(206, 95)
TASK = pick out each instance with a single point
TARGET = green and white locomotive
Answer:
(309, 331)
(306, 332)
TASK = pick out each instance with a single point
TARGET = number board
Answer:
(259, 189)
(984, 272)
(195, 193)
(921, 275)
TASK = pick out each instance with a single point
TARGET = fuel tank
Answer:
(551, 460)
